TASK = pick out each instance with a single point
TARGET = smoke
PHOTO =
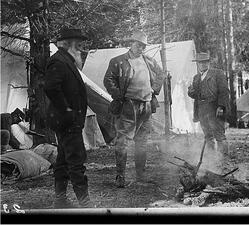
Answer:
(212, 160)
(189, 148)
(243, 173)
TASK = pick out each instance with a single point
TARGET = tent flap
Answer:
(13, 74)
(243, 102)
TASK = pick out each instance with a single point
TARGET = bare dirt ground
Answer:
(38, 193)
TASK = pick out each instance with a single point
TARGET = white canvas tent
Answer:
(181, 68)
(13, 75)
(243, 102)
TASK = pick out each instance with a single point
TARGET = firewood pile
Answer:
(200, 187)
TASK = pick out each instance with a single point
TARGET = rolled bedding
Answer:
(22, 164)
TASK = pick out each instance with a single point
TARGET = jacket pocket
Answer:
(116, 106)
(58, 121)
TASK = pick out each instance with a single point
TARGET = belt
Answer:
(138, 101)
(205, 100)
(135, 100)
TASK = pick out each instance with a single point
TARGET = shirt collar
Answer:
(205, 73)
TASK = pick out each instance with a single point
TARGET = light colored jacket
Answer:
(119, 72)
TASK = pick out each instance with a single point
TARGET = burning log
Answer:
(200, 185)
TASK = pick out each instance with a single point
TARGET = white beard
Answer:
(77, 56)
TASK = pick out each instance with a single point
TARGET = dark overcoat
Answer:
(216, 90)
(64, 88)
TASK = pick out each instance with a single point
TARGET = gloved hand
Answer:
(219, 112)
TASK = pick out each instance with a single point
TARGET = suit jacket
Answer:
(216, 91)
(65, 88)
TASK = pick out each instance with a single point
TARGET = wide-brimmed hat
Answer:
(71, 33)
(202, 56)
(138, 36)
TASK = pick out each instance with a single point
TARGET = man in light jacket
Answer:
(135, 79)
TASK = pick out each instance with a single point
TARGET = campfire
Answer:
(200, 187)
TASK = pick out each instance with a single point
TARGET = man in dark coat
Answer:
(211, 102)
(66, 116)
(135, 79)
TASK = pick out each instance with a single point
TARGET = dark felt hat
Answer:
(71, 33)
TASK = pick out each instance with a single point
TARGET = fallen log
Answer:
(199, 185)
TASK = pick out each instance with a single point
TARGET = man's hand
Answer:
(219, 112)
(190, 87)
(191, 91)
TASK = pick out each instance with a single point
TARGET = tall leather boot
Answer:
(61, 200)
(140, 161)
(223, 147)
(210, 144)
(83, 197)
(121, 158)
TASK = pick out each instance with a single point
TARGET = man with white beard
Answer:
(66, 116)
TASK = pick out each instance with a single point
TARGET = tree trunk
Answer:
(224, 42)
(39, 52)
(219, 33)
(166, 80)
(231, 64)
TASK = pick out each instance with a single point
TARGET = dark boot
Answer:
(210, 145)
(120, 181)
(61, 200)
(121, 158)
(81, 192)
(85, 202)
(141, 177)
(140, 161)
(63, 203)
(223, 147)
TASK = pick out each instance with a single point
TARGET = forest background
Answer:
(220, 27)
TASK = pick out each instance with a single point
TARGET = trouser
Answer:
(134, 124)
(69, 163)
(213, 128)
